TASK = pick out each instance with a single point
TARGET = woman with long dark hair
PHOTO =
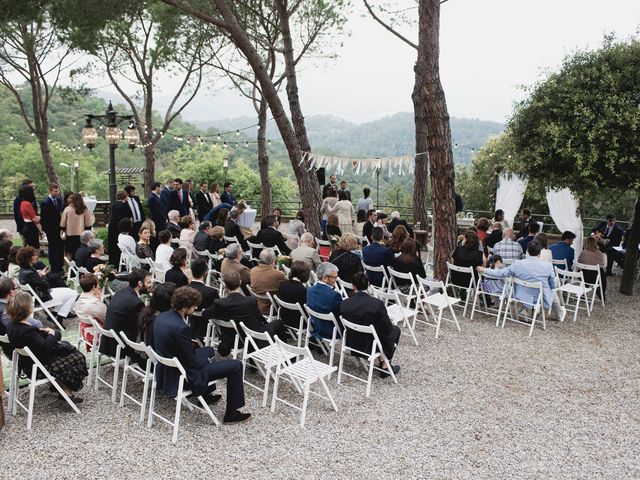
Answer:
(32, 230)
(76, 218)
(160, 302)
(221, 218)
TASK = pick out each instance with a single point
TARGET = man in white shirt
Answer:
(136, 209)
(164, 250)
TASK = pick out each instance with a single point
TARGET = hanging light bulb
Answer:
(269, 141)
(225, 144)
(53, 129)
(11, 137)
(218, 136)
(237, 132)
(246, 144)
(73, 122)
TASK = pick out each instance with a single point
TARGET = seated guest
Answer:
(59, 299)
(164, 250)
(610, 233)
(96, 249)
(160, 302)
(348, 263)
(178, 273)
(143, 247)
(398, 237)
(173, 225)
(123, 310)
(124, 239)
(358, 226)
(532, 229)
(498, 217)
(616, 255)
(203, 237)
(82, 253)
(271, 237)
(395, 221)
(172, 338)
(294, 291)
(545, 253)
(306, 252)
(527, 221)
(375, 255)
(13, 270)
(483, 231)
(322, 298)
(90, 305)
(367, 228)
(333, 227)
(408, 262)
(297, 226)
(5, 248)
(233, 262)
(5, 234)
(265, 278)
(563, 249)
(239, 308)
(591, 255)
(199, 271)
(466, 255)
(188, 233)
(8, 289)
(495, 236)
(153, 238)
(363, 309)
(67, 365)
(232, 229)
(508, 248)
(217, 241)
(221, 217)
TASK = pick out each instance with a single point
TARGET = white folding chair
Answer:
(468, 289)
(399, 278)
(560, 263)
(73, 274)
(572, 286)
(90, 347)
(597, 282)
(300, 331)
(386, 282)
(323, 243)
(304, 372)
(116, 360)
(433, 293)
(8, 363)
(480, 303)
(335, 334)
(397, 312)
(157, 271)
(376, 353)
(33, 382)
(180, 398)
(430, 261)
(252, 248)
(133, 368)
(211, 335)
(231, 240)
(40, 306)
(343, 288)
(513, 303)
(266, 297)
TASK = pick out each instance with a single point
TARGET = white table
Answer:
(247, 218)
(90, 203)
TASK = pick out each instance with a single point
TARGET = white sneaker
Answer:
(563, 314)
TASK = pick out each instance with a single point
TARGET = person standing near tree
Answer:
(136, 210)
(331, 185)
(31, 229)
(17, 216)
(51, 209)
(156, 207)
(119, 211)
(75, 219)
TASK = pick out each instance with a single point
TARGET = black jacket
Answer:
(29, 276)
(494, 237)
(177, 276)
(615, 235)
(395, 222)
(271, 237)
(174, 230)
(50, 212)
(82, 255)
(348, 264)
(41, 344)
(292, 291)
(157, 212)
(203, 204)
(122, 316)
(364, 309)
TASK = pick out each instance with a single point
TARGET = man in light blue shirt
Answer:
(563, 249)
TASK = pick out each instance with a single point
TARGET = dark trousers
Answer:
(228, 335)
(31, 235)
(135, 228)
(56, 251)
(229, 369)
(614, 255)
(390, 343)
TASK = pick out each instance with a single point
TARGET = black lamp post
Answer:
(378, 186)
(111, 120)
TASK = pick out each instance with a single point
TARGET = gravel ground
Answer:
(480, 403)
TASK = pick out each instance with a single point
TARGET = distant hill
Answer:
(385, 137)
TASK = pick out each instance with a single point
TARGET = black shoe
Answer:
(211, 398)
(236, 417)
(394, 368)
(74, 399)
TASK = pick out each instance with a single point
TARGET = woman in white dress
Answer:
(215, 194)
(327, 205)
(345, 212)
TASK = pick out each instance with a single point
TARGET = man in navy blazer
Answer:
(376, 255)
(156, 208)
(50, 211)
(322, 298)
(227, 196)
(165, 194)
(172, 338)
(179, 199)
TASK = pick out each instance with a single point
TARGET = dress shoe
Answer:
(236, 417)
(211, 398)
(394, 368)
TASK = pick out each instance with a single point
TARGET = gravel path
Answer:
(481, 403)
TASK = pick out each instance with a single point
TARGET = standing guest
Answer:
(329, 201)
(164, 250)
(345, 212)
(137, 210)
(119, 210)
(143, 247)
(75, 219)
(66, 198)
(227, 196)
(90, 305)
(17, 216)
(271, 237)
(166, 193)
(190, 196)
(123, 310)
(563, 249)
(31, 229)
(408, 262)
(331, 185)
(294, 291)
(67, 365)
(495, 236)
(157, 212)
(398, 237)
(365, 202)
(483, 232)
(160, 302)
(545, 253)
(51, 210)
(277, 212)
(82, 252)
(265, 278)
(62, 298)
(348, 263)
(232, 229)
(215, 195)
(187, 233)
(204, 201)
(233, 262)
(367, 228)
(124, 238)
(498, 217)
(172, 338)
(343, 188)
(508, 248)
(333, 227)
(361, 219)
(221, 218)
(178, 274)
(306, 252)
(178, 199)
(323, 298)
(363, 309)
(396, 221)
(376, 254)
(297, 226)
(174, 224)
(466, 255)
(532, 229)
(527, 221)
(591, 255)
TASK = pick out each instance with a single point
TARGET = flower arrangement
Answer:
(334, 241)
(103, 271)
(283, 260)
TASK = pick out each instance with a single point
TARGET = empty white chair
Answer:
(133, 368)
(433, 293)
(398, 312)
(116, 361)
(513, 304)
(304, 373)
(376, 353)
(480, 297)
(572, 287)
(323, 243)
(469, 288)
(595, 274)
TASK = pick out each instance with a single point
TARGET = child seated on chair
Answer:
(490, 285)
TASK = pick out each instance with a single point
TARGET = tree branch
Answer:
(388, 27)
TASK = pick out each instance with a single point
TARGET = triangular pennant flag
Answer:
(304, 155)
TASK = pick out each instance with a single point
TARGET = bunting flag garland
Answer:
(402, 165)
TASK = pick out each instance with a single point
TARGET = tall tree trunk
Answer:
(307, 183)
(149, 168)
(421, 176)
(631, 257)
(263, 159)
(438, 132)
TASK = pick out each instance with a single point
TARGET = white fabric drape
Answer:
(564, 211)
(509, 196)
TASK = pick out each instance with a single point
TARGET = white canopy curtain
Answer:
(509, 196)
(564, 211)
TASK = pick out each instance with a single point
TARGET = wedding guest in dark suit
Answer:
(527, 220)
(157, 212)
(495, 236)
(396, 220)
(119, 211)
(50, 212)
(227, 196)
(208, 295)
(367, 229)
(232, 229)
(272, 237)
(165, 194)
(204, 202)
(323, 298)
(376, 255)
(608, 234)
(178, 199)
(137, 211)
(174, 223)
